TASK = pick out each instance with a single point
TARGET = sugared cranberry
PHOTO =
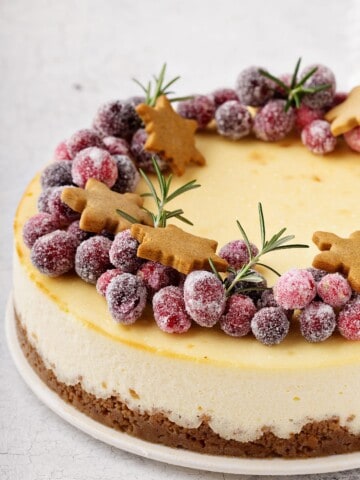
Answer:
(237, 316)
(295, 289)
(317, 322)
(322, 76)
(157, 276)
(349, 320)
(37, 226)
(144, 157)
(267, 299)
(317, 273)
(105, 278)
(200, 108)
(94, 162)
(58, 209)
(169, 310)
(222, 95)
(54, 254)
(116, 146)
(128, 175)
(62, 152)
(236, 253)
(123, 252)
(280, 92)
(334, 289)
(339, 97)
(317, 137)
(56, 174)
(117, 119)
(82, 139)
(233, 120)
(352, 138)
(126, 298)
(79, 234)
(251, 289)
(270, 325)
(304, 115)
(92, 258)
(204, 297)
(253, 88)
(272, 123)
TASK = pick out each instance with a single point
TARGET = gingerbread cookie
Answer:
(170, 134)
(339, 255)
(176, 248)
(98, 206)
(345, 116)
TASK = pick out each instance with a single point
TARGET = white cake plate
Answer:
(183, 458)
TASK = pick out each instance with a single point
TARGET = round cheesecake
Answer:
(204, 390)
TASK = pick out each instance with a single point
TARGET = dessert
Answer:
(201, 353)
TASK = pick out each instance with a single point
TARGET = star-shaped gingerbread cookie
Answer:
(346, 115)
(339, 255)
(98, 204)
(170, 134)
(176, 248)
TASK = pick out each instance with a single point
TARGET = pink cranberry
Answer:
(123, 252)
(317, 137)
(169, 310)
(236, 253)
(79, 234)
(237, 316)
(317, 322)
(322, 76)
(334, 289)
(54, 254)
(82, 139)
(349, 320)
(204, 297)
(304, 115)
(253, 88)
(200, 108)
(105, 278)
(43, 200)
(58, 209)
(222, 95)
(233, 120)
(37, 226)
(126, 298)
(295, 289)
(352, 138)
(62, 152)
(272, 123)
(92, 258)
(116, 145)
(270, 325)
(157, 276)
(94, 162)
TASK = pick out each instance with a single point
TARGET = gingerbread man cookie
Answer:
(346, 116)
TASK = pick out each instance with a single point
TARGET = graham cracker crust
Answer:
(315, 439)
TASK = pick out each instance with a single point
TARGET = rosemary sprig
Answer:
(277, 242)
(153, 92)
(295, 92)
(162, 198)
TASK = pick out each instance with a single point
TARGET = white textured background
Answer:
(59, 60)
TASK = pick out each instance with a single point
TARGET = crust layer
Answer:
(315, 439)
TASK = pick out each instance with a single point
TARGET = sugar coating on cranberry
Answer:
(37, 226)
(236, 253)
(128, 175)
(118, 119)
(352, 138)
(204, 297)
(58, 209)
(233, 120)
(116, 145)
(200, 108)
(123, 252)
(43, 200)
(222, 95)
(94, 162)
(272, 123)
(349, 320)
(295, 289)
(92, 258)
(126, 298)
(105, 278)
(317, 273)
(79, 234)
(270, 325)
(317, 322)
(317, 137)
(62, 152)
(236, 319)
(304, 115)
(56, 174)
(53, 254)
(322, 76)
(82, 139)
(253, 88)
(144, 157)
(169, 310)
(157, 276)
(334, 289)
(267, 299)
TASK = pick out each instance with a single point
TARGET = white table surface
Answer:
(59, 60)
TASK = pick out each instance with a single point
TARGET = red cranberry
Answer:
(169, 310)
